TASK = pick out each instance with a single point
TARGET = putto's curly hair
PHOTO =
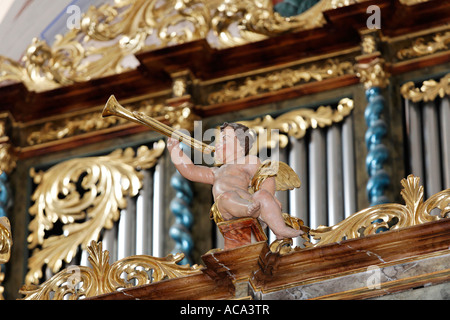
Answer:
(244, 134)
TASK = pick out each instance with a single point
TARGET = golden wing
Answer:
(285, 177)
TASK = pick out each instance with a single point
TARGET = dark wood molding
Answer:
(268, 271)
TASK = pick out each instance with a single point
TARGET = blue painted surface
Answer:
(377, 152)
(180, 207)
(5, 194)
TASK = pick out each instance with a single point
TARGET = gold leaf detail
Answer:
(412, 2)
(180, 116)
(111, 33)
(390, 216)
(295, 123)
(420, 48)
(106, 182)
(277, 80)
(79, 282)
(5, 247)
(5, 240)
(372, 74)
(429, 90)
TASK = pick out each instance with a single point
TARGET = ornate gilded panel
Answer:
(79, 282)
(295, 123)
(379, 218)
(429, 90)
(142, 25)
(5, 247)
(85, 195)
(285, 78)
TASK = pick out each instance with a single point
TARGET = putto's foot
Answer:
(288, 233)
(253, 208)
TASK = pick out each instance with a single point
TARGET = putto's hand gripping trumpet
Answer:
(113, 108)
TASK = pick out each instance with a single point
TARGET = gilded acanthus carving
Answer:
(80, 282)
(420, 47)
(388, 216)
(113, 32)
(5, 240)
(378, 218)
(8, 157)
(177, 117)
(5, 247)
(85, 195)
(277, 80)
(373, 74)
(295, 123)
(413, 2)
(429, 90)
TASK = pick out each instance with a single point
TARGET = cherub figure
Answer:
(232, 179)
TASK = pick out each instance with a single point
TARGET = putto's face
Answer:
(228, 148)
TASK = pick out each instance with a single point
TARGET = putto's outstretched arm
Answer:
(186, 167)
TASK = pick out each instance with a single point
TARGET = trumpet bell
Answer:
(110, 107)
(113, 108)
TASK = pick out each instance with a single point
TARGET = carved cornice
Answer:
(429, 90)
(274, 81)
(80, 282)
(413, 2)
(144, 25)
(90, 122)
(420, 47)
(107, 182)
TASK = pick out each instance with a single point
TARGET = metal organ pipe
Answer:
(444, 115)
(334, 175)
(317, 179)
(431, 149)
(348, 167)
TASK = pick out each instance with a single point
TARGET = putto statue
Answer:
(242, 185)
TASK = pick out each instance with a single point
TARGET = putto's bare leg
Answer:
(270, 213)
(253, 209)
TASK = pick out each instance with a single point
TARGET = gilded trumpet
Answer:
(113, 108)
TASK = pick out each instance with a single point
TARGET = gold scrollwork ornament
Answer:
(277, 80)
(106, 182)
(79, 282)
(272, 132)
(429, 90)
(372, 74)
(5, 247)
(389, 216)
(420, 48)
(110, 33)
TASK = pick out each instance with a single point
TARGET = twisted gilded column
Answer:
(377, 152)
(180, 207)
(370, 70)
